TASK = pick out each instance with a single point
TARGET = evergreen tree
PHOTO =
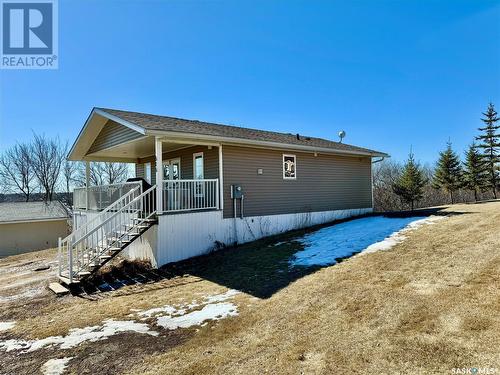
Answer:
(475, 173)
(409, 186)
(448, 174)
(490, 144)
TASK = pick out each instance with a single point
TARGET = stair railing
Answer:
(113, 226)
(89, 224)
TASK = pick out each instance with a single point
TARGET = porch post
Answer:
(221, 177)
(159, 175)
(87, 182)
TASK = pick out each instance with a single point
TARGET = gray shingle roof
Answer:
(31, 211)
(164, 123)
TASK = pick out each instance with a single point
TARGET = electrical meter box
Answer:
(236, 191)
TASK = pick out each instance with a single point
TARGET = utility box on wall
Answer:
(236, 191)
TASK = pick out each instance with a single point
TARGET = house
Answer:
(30, 226)
(211, 185)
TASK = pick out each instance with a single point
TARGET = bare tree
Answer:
(385, 175)
(102, 173)
(114, 172)
(47, 158)
(68, 172)
(17, 171)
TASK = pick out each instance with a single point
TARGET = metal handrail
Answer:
(114, 215)
(90, 246)
(106, 210)
(118, 225)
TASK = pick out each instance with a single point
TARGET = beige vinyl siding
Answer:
(323, 183)
(113, 134)
(140, 170)
(18, 238)
(210, 162)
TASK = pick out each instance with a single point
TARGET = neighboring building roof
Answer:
(157, 123)
(13, 212)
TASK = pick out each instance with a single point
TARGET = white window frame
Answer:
(147, 172)
(195, 155)
(199, 188)
(283, 166)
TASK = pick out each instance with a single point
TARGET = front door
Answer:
(172, 169)
(171, 173)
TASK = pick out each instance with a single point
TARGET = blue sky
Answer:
(392, 74)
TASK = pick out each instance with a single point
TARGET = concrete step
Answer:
(65, 280)
(58, 289)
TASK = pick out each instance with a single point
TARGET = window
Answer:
(147, 172)
(289, 167)
(198, 166)
(199, 187)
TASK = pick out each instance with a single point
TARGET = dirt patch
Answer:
(109, 359)
(111, 356)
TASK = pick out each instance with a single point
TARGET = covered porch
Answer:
(173, 176)
(186, 174)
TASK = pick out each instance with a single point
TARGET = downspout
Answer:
(235, 229)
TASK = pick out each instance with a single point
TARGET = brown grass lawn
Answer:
(430, 304)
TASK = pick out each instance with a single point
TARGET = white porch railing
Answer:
(178, 195)
(190, 195)
(100, 197)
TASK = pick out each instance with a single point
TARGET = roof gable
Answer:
(113, 134)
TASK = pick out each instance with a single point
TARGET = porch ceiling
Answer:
(133, 150)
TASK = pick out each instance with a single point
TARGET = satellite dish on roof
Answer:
(341, 135)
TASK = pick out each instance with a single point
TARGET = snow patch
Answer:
(4, 326)
(221, 297)
(365, 235)
(278, 243)
(55, 366)
(213, 307)
(77, 336)
(167, 309)
(399, 236)
(213, 311)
